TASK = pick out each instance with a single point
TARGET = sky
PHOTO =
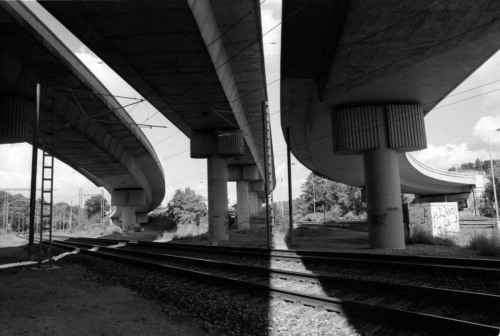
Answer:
(456, 129)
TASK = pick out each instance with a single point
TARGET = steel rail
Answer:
(487, 267)
(405, 319)
(463, 297)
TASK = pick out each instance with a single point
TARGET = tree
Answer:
(184, 206)
(489, 192)
(93, 205)
(325, 195)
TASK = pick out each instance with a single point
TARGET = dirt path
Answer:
(70, 301)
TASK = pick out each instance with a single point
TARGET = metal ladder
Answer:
(47, 145)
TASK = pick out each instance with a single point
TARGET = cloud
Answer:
(484, 127)
(15, 172)
(444, 157)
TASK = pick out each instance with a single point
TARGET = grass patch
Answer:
(420, 236)
(486, 245)
(190, 237)
(303, 231)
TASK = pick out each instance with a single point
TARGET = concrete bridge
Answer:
(93, 133)
(358, 77)
(200, 63)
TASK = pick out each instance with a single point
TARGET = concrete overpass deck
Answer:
(93, 133)
(358, 77)
(200, 64)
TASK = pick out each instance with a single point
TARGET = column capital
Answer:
(13, 119)
(362, 128)
(128, 197)
(206, 143)
(248, 173)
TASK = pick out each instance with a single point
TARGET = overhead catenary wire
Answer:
(202, 53)
(139, 100)
(319, 142)
(279, 111)
(351, 45)
(62, 88)
(358, 128)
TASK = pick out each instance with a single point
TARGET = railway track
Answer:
(481, 267)
(438, 310)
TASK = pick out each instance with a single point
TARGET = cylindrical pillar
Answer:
(378, 132)
(260, 201)
(383, 199)
(128, 218)
(218, 228)
(115, 221)
(252, 199)
(243, 207)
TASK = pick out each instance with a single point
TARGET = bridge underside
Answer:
(167, 60)
(92, 131)
(358, 77)
(200, 63)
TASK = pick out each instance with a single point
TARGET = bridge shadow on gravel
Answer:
(344, 320)
(264, 311)
(239, 306)
(354, 318)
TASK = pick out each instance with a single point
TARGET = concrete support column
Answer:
(141, 217)
(243, 207)
(383, 199)
(128, 217)
(378, 133)
(115, 221)
(127, 202)
(260, 201)
(217, 199)
(252, 199)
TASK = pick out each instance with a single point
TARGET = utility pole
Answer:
(102, 206)
(6, 211)
(34, 162)
(289, 164)
(266, 142)
(281, 194)
(70, 215)
(493, 181)
(314, 196)
(80, 210)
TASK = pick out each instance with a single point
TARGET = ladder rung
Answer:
(48, 167)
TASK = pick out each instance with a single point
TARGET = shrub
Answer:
(188, 231)
(421, 236)
(158, 220)
(486, 245)
(200, 237)
(351, 215)
(113, 229)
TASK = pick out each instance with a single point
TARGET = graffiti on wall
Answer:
(439, 219)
